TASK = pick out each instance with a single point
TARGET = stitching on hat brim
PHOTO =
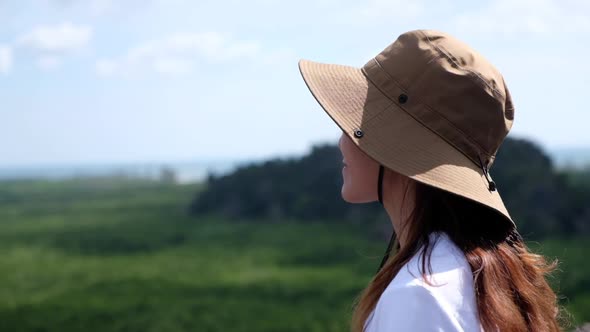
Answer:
(307, 75)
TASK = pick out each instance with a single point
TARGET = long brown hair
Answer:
(510, 282)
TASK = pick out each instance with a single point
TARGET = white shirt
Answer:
(410, 304)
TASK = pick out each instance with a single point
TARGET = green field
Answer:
(123, 255)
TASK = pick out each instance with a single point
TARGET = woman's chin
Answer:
(349, 197)
(353, 197)
(344, 194)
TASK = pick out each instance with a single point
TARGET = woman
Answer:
(422, 122)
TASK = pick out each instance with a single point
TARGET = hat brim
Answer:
(393, 137)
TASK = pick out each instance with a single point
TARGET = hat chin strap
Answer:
(380, 184)
(380, 195)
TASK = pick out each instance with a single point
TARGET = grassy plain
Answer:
(124, 255)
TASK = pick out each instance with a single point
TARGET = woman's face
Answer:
(360, 173)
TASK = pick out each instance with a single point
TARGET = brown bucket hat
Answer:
(428, 106)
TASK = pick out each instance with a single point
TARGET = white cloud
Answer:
(179, 53)
(209, 45)
(62, 38)
(48, 62)
(513, 17)
(5, 59)
(49, 45)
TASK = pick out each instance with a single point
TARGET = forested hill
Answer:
(542, 200)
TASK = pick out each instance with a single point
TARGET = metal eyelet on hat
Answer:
(358, 133)
(403, 98)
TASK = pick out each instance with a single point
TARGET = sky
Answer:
(101, 81)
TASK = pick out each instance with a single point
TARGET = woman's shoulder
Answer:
(411, 308)
(446, 296)
(447, 267)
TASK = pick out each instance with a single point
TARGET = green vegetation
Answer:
(543, 201)
(124, 255)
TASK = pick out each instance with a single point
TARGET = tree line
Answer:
(542, 200)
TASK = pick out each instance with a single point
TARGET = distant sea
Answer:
(186, 172)
(570, 157)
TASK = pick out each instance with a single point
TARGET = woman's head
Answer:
(427, 106)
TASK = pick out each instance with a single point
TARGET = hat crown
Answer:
(448, 87)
